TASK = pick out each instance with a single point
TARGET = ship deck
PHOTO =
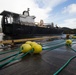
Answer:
(45, 63)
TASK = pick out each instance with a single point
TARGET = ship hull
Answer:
(26, 30)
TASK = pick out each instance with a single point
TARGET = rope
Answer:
(72, 49)
(19, 49)
(43, 45)
(53, 47)
(24, 55)
(14, 58)
(2, 65)
(57, 72)
(53, 43)
(10, 55)
(7, 57)
(9, 51)
(44, 48)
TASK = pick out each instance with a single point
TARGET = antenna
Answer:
(28, 9)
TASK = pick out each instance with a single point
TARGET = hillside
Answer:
(69, 30)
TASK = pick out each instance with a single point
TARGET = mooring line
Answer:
(53, 47)
(8, 57)
(66, 64)
(9, 51)
(15, 55)
(53, 43)
(15, 58)
(57, 72)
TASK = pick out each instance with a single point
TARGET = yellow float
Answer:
(25, 48)
(74, 36)
(31, 46)
(37, 48)
(28, 42)
(68, 42)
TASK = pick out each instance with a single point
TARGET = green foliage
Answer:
(69, 31)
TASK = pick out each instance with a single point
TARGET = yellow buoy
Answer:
(74, 37)
(25, 48)
(33, 44)
(68, 42)
(37, 48)
(28, 42)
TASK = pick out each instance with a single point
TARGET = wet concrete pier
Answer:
(45, 63)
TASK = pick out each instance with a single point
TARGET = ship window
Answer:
(16, 20)
(9, 19)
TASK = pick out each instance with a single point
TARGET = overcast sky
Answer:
(61, 12)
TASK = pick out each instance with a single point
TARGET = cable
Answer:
(14, 58)
(57, 72)
(9, 51)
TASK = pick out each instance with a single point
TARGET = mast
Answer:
(28, 9)
(26, 12)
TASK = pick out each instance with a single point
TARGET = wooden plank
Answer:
(23, 40)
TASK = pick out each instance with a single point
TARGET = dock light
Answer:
(68, 42)
(25, 48)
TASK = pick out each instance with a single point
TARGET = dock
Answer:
(27, 39)
(45, 63)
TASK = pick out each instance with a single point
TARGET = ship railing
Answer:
(27, 23)
(43, 23)
(46, 25)
(32, 23)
